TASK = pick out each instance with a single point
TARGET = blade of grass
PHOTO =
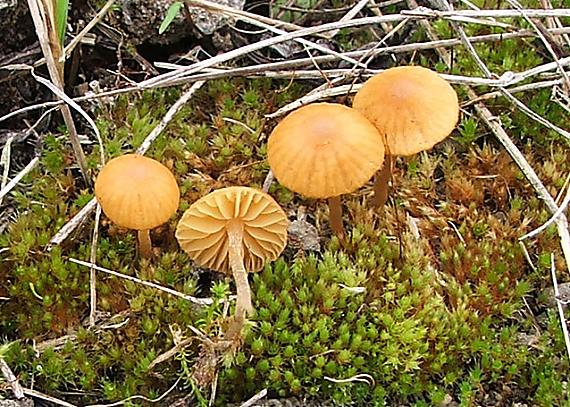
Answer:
(61, 10)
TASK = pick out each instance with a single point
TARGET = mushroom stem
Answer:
(235, 252)
(382, 182)
(145, 245)
(335, 216)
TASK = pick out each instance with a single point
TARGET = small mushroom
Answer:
(139, 193)
(412, 108)
(324, 150)
(234, 230)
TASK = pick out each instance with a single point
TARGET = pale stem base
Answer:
(145, 245)
(244, 306)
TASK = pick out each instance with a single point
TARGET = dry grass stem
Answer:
(139, 397)
(561, 315)
(252, 401)
(175, 108)
(170, 353)
(362, 377)
(92, 271)
(80, 217)
(207, 73)
(495, 126)
(254, 20)
(11, 379)
(74, 42)
(45, 397)
(25, 171)
(195, 300)
(44, 21)
(5, 163)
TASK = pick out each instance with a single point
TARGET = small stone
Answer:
(25, 402)
(303, 236)
(563, 298)
(8, 3)
(208, 22)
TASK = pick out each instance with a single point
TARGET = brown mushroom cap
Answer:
(137, 192)
(203, 229)
(324, 150)
(411, 106)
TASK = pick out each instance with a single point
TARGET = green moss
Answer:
(423, 317)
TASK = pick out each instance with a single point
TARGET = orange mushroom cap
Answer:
(324, 150)
(137, 192)
(411, 106)
(203, 229)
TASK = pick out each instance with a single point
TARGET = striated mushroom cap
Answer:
(324, 149)
(203, 229)
(411, 106)
(137, 192)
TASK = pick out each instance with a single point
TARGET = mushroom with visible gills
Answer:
(139, 193)
(412, 108)
(234, 230)
(324, 150)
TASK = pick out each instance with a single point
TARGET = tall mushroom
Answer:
(237, 230)
(324, 150)
(412, 108)
(139, 193)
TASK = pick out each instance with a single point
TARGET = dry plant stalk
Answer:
(495, 126)
(43, 14)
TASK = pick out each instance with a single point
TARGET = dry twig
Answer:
(44, 21)
(195, 300)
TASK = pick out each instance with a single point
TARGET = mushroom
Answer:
(412, 108)
(234, 230)
(324, 150)
(139, 193)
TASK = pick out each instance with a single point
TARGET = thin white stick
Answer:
(288, 64)
(139, 397)
(63, 96)
(73, 223)
(195, 300)
(73, 43)
(43, 396)
(31, 165)
(80, 217)
(43, 17)
(313, 97)
(92, 271)
(547, 44)
(175, 108)
(362, 377)
(559, 305)
(255, 399)
(348, 16)
(11, 379)
(254, 20)
(5, 163)
(497, 13)
(552, 219)
(268, 181)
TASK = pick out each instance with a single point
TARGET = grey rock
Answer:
(207, 22)
(303, 236)
(8, 4)
(25, 402)
(142, 19)
(563, 298)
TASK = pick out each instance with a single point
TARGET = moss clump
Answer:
(430, 317)
(419, 334)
